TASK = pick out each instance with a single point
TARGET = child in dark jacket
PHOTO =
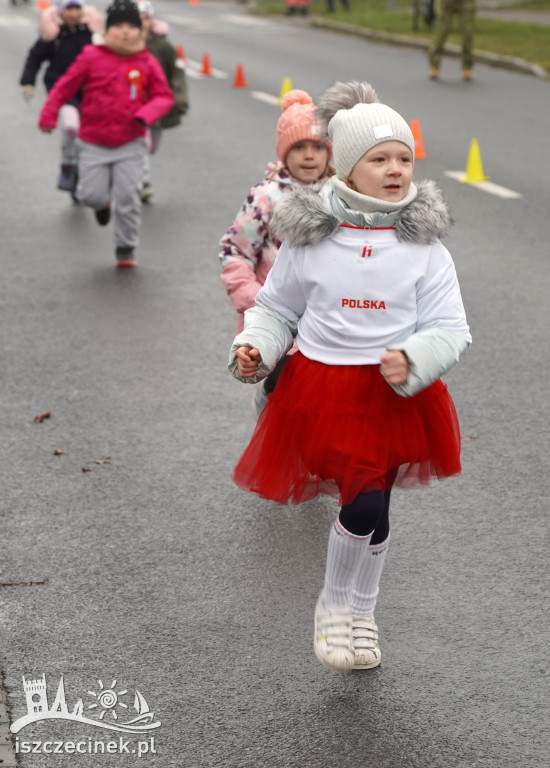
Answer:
(124, 91)
(64, 31)
(155, 33)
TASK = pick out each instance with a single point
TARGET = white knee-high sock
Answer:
(367, 578)
(345, 553)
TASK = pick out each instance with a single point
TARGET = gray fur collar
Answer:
(305, 218)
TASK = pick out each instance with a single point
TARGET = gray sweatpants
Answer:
(153, 141)
(114, 175)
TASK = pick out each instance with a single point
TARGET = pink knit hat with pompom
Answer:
(297, 123)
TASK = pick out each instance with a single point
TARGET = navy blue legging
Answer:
(369, 512)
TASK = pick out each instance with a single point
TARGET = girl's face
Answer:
(72, 15)
(146, 24)
(125, 34)
(307, 161)
(384, 172)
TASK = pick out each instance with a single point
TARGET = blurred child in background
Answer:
(250, 245)
(65, 28)
(155, 33)
(124, 91)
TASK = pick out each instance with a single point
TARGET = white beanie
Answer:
(356, 121)
(146, 7)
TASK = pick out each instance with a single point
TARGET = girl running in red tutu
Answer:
(371, 295)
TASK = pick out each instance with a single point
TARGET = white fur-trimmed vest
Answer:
(305, 218)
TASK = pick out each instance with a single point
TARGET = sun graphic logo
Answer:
(107, 708)
(107, 700)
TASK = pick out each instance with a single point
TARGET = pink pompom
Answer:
(295, 97)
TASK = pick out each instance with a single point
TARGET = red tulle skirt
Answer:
(342, 430)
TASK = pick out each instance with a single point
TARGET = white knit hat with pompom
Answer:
(356, 121)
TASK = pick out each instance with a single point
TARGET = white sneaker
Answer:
(332, 641)
(365, 642)
(259, 399)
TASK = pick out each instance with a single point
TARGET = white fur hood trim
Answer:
(304, 217)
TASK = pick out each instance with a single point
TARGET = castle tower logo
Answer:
(35, 690)
(107, 703)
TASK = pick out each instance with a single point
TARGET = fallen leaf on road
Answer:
(87, 469)
(42, 417)
(103, 460)
(59, 453)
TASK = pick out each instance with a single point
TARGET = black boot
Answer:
(68, 178)
(103, 216)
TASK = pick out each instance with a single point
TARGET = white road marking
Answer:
(186, 21)
(193, 69)
(194, 74)
(486, 186)
(15, 21)
(249, 21)
(267, 97)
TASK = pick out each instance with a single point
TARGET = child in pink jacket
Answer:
(249, 247)
(124, 91)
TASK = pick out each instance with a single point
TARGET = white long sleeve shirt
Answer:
(362, 291)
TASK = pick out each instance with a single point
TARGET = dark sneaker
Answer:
(146, 192)
(103, 216)
(125, 257)
(68, 178)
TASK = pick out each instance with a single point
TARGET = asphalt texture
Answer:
(150, 571)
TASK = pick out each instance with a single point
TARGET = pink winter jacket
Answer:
(117, 90)
(249, 247)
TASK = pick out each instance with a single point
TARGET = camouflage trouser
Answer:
(448, 8)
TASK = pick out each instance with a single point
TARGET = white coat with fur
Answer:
(348, 294)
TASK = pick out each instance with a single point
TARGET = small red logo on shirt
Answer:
(135, 78)
(367, 251)
(363, 304)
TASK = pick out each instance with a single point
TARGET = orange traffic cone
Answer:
(180, 53)
(43, 4)
(419, 151)
(206, 68)
(193, 2)
(240, 80)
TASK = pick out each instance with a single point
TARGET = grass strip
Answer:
(530, 42)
